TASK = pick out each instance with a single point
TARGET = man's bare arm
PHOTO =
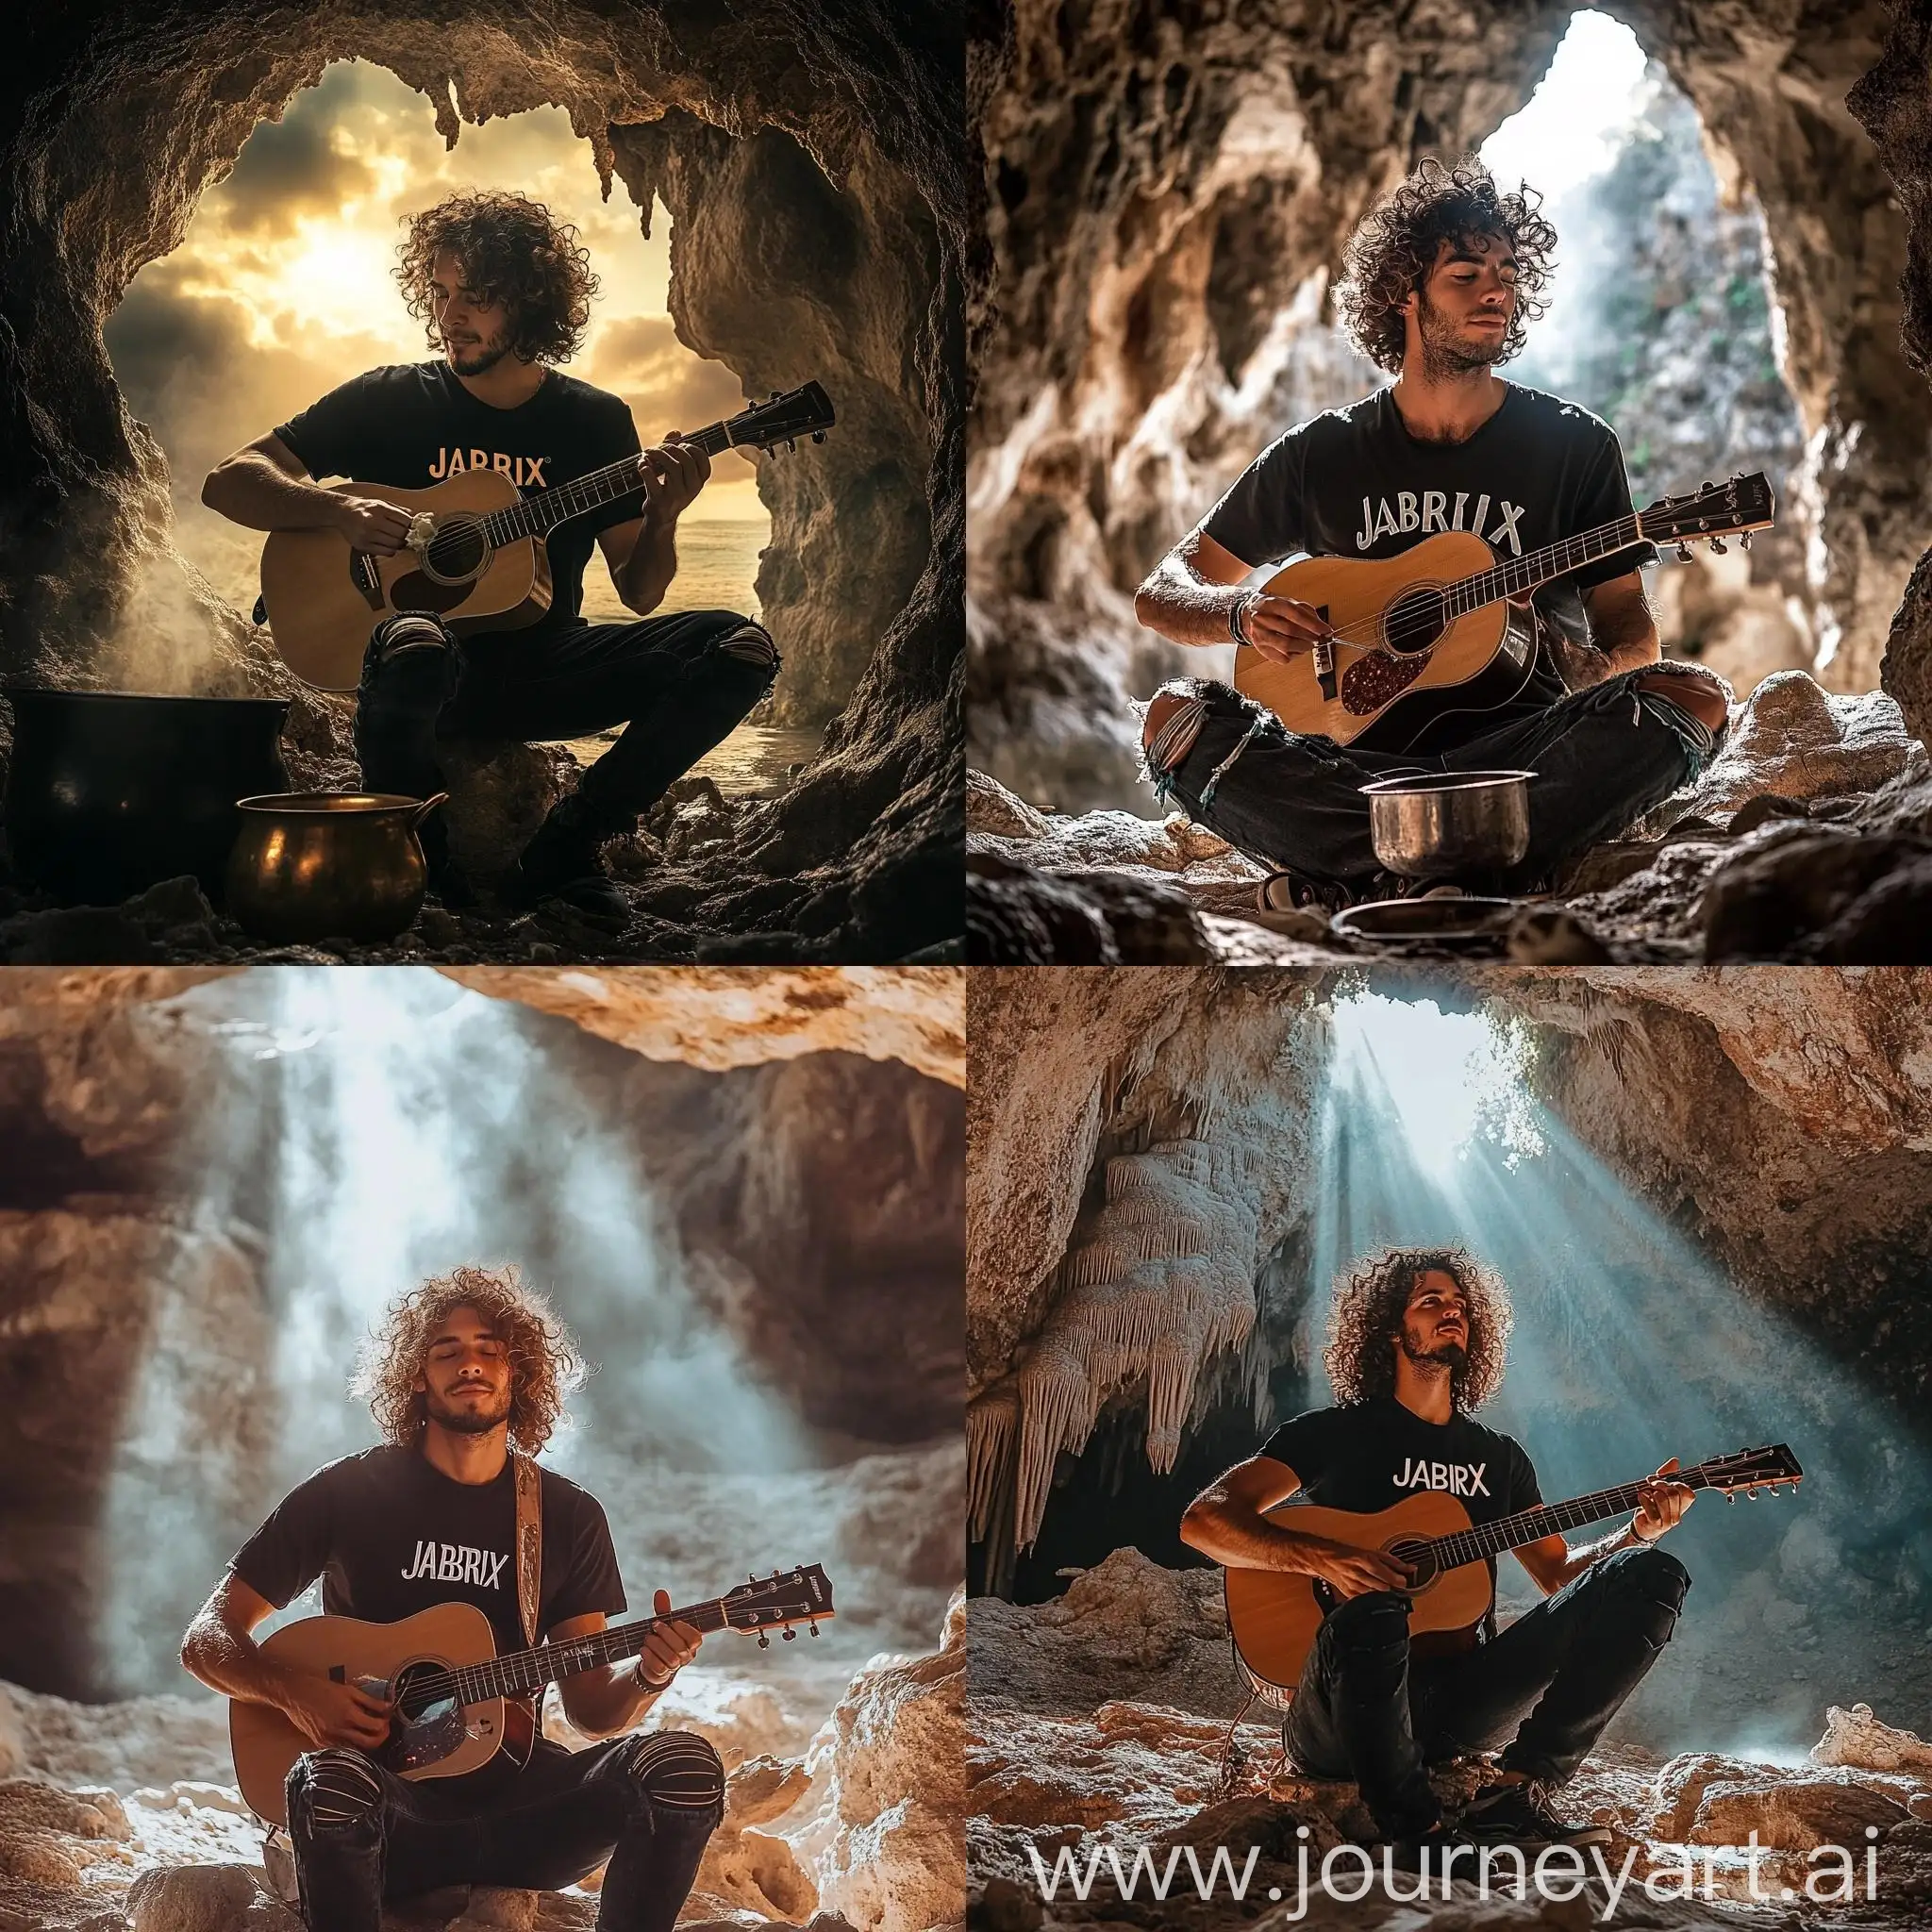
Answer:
(1190, 592)
(264, 486)
(1226, 1522)
(220, 1651)
(1622, 634)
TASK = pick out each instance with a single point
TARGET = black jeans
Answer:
(677, 684)
(1602, 757)
(647, 1804)
(1543, 1688)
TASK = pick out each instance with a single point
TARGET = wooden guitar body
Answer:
(443, 1740)
(1273, 1616)
(324, 598)
(1387, 699)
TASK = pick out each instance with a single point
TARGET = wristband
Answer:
(649, 1686)
(1238, 617)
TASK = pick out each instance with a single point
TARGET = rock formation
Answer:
(1103, 1720)
(813, 167)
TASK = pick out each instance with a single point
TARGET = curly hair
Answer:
(544, 1362)
(513, 252)
(1367, 1316)
(1393, 248)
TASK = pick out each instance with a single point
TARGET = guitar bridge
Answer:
(1324, 658)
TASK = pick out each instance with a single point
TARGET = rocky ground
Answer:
(1102, 1717)
(842, 1810)
(1808, 840)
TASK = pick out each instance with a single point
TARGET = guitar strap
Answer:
(529, 1481)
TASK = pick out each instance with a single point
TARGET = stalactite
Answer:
(1155, 1280)
(993, 1427)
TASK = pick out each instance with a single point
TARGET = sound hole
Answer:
(1414, 621)
(421, 1690)
(458, 549)
(1416, 1552)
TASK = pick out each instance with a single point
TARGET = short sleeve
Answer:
(588, 1578)
(617, 439)
(291, 1549)
(1525, 1493)
(1300, 1445)
(1260, 519)
(1604, 499)
(332, 433)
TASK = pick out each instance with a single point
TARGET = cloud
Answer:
(668, 388)
(290, 169)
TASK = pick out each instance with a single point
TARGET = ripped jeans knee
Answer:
(1170, 724)
(333, 1790)
(678, 1772)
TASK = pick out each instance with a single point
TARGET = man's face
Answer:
(465, 1378)
(475, 334)
(1434, 1324)
(1464, 308)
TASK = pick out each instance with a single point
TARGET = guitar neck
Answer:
(524, 1672)
(538, 515)
(1547, 1518)
(1522, 575)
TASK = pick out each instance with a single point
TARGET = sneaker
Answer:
(1519, 1814)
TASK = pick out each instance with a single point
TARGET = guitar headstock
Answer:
(779, 1602)
(803, 411)
(1711, 513)
(1748, 1471)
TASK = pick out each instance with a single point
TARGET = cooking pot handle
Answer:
(427, 807)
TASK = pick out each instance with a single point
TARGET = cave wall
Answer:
(116, 115)
(813, 1202)
(1203, 169)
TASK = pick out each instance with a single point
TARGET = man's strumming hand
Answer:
(327, 1713)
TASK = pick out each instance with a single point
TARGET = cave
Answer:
(811, 172)
(1205, 168)
(742, 1197)
(1710, 1196)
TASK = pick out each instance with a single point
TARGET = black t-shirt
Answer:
(1354, 482)
(414, 424)
(1369, 1455)
(390, 1534)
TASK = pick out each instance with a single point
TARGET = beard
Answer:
(462, 1419)
(476, 359)
(1447, 352)
(1451, 1356)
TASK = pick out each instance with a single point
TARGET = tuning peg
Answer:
(818, 436)
(1730, 1496)
(1744, 540)
(764, 1641)
(813, 1628)
(749, 1577)
(1682, 551)
(1717, 546)
(790, 1634)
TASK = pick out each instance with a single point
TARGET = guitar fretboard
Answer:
(524, 1672)
(1522, 575)
(1546, 1518)
(537, 515)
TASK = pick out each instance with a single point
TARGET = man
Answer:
(1416, 1343)
(465, 1366)
(506, 292)
(1442, 277)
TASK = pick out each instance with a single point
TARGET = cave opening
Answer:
(280, 288)
(1638, 1334)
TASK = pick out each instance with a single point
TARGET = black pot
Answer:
(109, 791)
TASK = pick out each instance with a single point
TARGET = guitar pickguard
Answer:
(426, 1738)
(1370, 682)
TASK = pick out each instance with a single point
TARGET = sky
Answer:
(1572, 127)
(281, 288)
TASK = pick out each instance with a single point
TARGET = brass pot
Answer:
(1436, 827)
(322, 865)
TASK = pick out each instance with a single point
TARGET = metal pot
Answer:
(110, 792)
(322, 865)
(1443, 823)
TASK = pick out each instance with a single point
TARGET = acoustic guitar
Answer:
(475, 555)
(457, 1702)
(1274, 1616)
(1431, 634)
